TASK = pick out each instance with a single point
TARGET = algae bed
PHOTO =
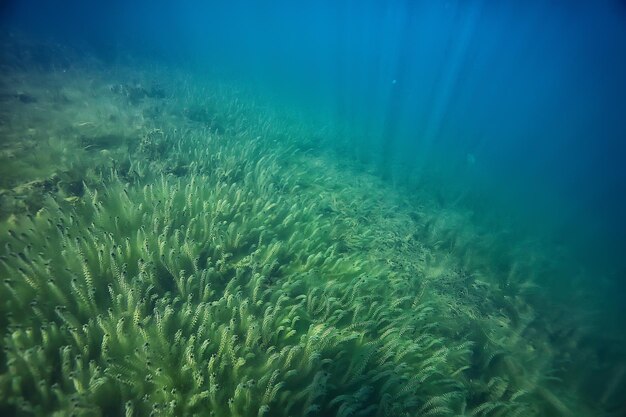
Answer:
(175, 246)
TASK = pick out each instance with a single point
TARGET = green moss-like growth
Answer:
(229, 272)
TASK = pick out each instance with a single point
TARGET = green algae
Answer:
(182, 262)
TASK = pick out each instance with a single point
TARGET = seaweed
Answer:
(205, 262)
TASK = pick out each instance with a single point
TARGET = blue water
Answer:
(513, 110)
(533, 91)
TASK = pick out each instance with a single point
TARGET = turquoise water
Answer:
(321, 209)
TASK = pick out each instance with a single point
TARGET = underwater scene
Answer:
(350, 208)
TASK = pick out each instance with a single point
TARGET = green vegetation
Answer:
(188, 253)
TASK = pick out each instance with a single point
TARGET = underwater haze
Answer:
(329, 208)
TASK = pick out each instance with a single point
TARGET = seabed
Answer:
(173, 246)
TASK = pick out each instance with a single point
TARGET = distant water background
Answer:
(515, 109)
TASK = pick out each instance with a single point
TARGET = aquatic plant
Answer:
(197, 294)
(234, 272)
